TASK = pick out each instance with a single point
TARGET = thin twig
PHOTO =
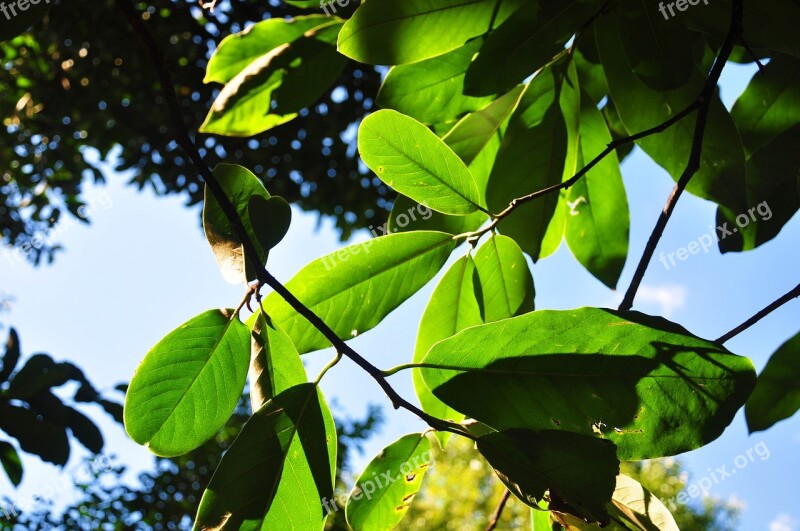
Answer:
(752, 54)
(793, 294)
(184, 140)
(705, 99)
(495, 517)
(612, 146)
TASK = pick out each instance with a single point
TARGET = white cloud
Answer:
(668, 297)
(783, 522)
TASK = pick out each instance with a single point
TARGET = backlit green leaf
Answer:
(525, 42)
(395, 33)
(639, 508)
(597, 220)
(235, 52)
(275, 365)
(531, 157)
(410, 158)
(408, 215)
(385, 490)
(187, 386)
(353, 289)
(279, 471)
(506, 285)
(777, 393)
(276, 85)
(646, 384)
(432, 91)
(453, 307)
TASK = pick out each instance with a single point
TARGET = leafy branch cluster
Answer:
(490, 123)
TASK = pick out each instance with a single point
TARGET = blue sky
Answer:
(143, 267)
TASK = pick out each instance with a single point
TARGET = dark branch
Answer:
(705, 99)
(793, 294)
(185, 141)
(495, 517)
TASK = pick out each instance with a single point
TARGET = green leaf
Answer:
(15, 20)
(187, 386)
(531, 157)
(408, 215)
(477, 137)
(590, 71)
(611, 116)
(773, 197)
(636, 506)
(506, 285)
(540, 518)
(279, 471)
(11, 356)
(305, 4)
(777, 393)
(353, 289)
(384, 491)
(646, 384)
(239, 185)
(432, 91)
(235, 52)
(410, 158)
(453, 307)
(598, 221)
(275, 86)
(395, 33)
(721, 177)
(276, 365)
(525, 42)
(766, 115)
(766, 25)
(770, 104)
(35, 434)
(658, 49)
(270, 219)
(11, 462)
(578, 471)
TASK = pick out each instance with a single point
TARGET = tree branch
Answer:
(185, 141)
(793, 294)
(705, 99)
(495, 517)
